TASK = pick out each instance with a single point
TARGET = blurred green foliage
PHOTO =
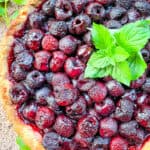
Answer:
(4, 14)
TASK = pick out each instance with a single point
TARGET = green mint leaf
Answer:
(121, 72)
(120, 54)
(99, 60)
(91, 72)
(133, 36)
(14, 15)
(21, 144)
(2, 11)
(20, 2)
(143, 23)
(104, 72)
(101, 36)
(137, 65)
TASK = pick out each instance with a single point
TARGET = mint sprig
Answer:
(4, 12)
(118, 53)
(105, 41)
(133, 36)
(21, 144)
(137, 65)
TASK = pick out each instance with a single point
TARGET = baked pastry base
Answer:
(30, 137)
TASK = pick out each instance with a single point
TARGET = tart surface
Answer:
(42, 85)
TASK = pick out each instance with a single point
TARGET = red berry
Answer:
(115, 88)
(45, 117)
(98, 92)
(64, 126)
(77, 109)
(79, 24)
(82, 141)
(73, 67)
(58, 28)
(57, 62)
(85, 84)
(84, 52)
(48, 7)
(29, 112)
(108, 127)
(36, 19)
(78, 5)
(88, 126)
(68, 44)
(41, 95)
(131, 131)
(66, 95)
(118, 143)
(19, 94)
(18, 47)
(25, 60)
(96, 11)
(143, 117)
(33, 39)
(17, 72)
(52, 141)
(42, 59)
(124, 110)
(59, 79)
(105, 107)
(35, 79)
(63, 10)
(49, 43)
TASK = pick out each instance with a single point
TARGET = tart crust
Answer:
(30, 137)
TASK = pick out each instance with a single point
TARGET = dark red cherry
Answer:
(29, 112)
(108, 127)
(45, 117)
(64, 126)
(57, 61)
(42, 59)
(88, 126)
(73, 67)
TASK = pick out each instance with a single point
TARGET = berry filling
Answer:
(46, 67)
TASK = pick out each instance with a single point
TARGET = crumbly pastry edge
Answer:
(30, 137)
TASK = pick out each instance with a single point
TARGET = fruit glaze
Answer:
(46, 66)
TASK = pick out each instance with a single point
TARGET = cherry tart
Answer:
(42, 86)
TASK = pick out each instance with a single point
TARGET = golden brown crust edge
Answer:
(30, 137)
